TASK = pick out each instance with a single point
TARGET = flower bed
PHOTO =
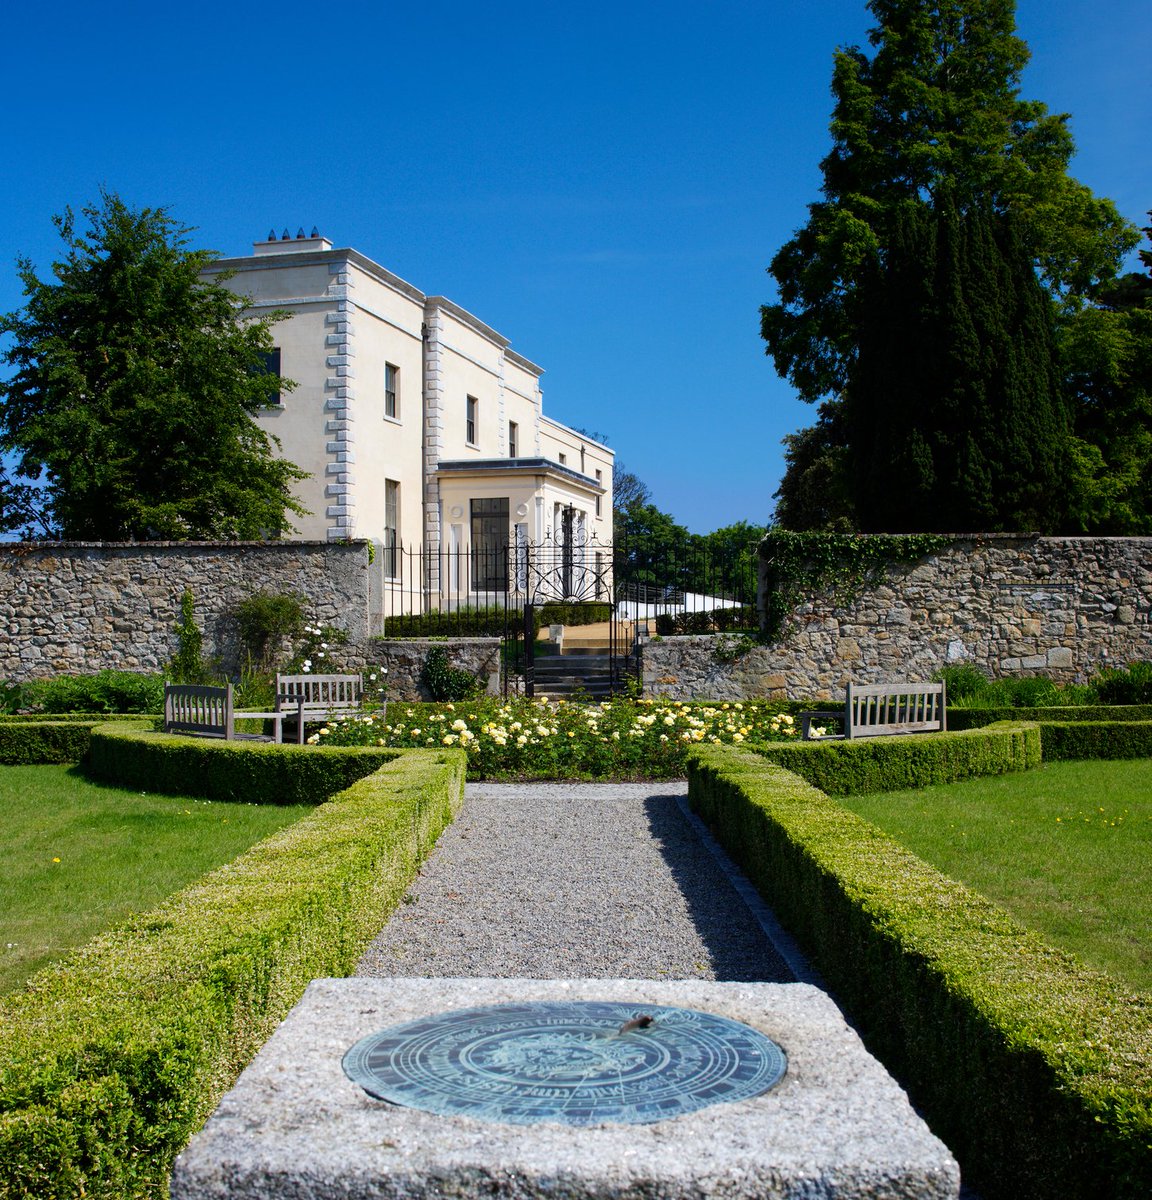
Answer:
(519, 739)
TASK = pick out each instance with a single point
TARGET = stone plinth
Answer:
(837, 1125)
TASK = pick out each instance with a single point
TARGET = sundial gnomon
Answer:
(576, 1062)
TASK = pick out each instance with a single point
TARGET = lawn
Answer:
(78, 856)
(1066, 848)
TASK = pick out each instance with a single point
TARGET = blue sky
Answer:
(605, 184)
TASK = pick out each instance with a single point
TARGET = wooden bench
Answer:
(208, 711)
(318, 698)
(879, 709)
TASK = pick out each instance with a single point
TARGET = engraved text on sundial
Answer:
(578, 1063)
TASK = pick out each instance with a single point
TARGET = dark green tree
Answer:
(130, 410)
(1106, 351)
(933, 115)
(956, 416)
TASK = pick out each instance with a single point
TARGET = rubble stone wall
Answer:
(83, 607)
(1008, 604)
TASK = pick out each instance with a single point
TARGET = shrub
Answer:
(1036, 1071)
(265, 619)
(883, 764)
(1096, 739)
(975, 718)
(1131, 685)
(23, 743)
(621, 739)
(962, 682)
(710, 621)
(247, 772)
(188, 665)
(446, 682)
(114, 1056)
(104, 692)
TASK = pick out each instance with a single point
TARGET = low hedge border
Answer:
(977, 718)
(47, 740)
(885, 764)
(1036, 1071)
(1063, 740)
(247, 772)
(115, 1056)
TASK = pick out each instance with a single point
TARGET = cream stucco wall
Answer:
(349, 318)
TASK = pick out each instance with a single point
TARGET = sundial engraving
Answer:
(578, 1063)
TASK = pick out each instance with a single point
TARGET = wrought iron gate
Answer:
(570, 570)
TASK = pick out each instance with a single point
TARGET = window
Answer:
(563, 459)
(513, 440)
(470, 422)
(391, 391)
(271, 366)
(490, 545)
(600, 481)
(391, 529)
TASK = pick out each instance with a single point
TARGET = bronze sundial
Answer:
(577, 1063)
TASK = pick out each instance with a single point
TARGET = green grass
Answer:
(1066, 848)
(77, 856)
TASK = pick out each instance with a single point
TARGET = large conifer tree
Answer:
(947, 209)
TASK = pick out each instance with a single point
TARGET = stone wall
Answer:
(404, 660)
(82, 607)
(1008, 604)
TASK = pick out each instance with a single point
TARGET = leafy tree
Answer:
(931, 121)
(651, 550)
(627, 489)
(1106, 351)
(130, 409)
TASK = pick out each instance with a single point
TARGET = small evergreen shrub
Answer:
(103, 692)
(446, 682)
(265, 619)
(1130, 685)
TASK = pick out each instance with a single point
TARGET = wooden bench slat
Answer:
(881, 709)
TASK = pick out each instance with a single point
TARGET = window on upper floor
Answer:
(391, 391)
(391, 529)
(471, 420)
(563, 459)
(600, 481)
(271, 361)
(513, 440)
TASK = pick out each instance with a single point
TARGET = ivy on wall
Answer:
(840, 565)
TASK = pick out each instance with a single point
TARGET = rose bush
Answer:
(639, 739)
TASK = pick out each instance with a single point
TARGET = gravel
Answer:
(576, 881)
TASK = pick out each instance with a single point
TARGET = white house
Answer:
(419, 425)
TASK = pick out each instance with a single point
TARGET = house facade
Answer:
(420, 427)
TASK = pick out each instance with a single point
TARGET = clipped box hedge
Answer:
(113, 1057)
(884, 764)
(1036, 1071)
(1095, 739)
(242, 771)
(977, 718)
(59, 740)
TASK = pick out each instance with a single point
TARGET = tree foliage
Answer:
(956, 419)
(929, 132)
(1106, 352)
(130, 409)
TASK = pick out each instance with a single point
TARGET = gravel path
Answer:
(575, 881)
